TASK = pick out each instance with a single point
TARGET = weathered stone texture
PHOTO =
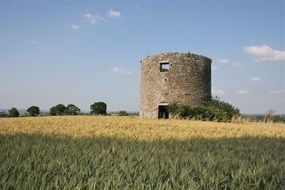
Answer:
(188, 81)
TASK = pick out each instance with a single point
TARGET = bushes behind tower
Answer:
(214, 109)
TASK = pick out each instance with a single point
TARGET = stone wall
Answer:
(187, 81)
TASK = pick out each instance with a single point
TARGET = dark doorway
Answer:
(163, 112)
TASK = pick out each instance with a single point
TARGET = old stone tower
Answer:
(182, 78)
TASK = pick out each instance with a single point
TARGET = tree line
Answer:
(98, 108)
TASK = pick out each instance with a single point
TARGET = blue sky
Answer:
(81, 52)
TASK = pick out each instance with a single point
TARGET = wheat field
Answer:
(97, 152)
(135, 128)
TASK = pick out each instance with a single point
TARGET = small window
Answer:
(164, 66)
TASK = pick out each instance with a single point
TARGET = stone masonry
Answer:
(181, 78)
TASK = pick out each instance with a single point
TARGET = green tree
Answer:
(52, 111)
(13, 112)
(72, 110)
(98, 108)
(123, 113)
(33, 110)
(219, 110)
(57, 110)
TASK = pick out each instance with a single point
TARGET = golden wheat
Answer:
(38, 153)
(135, 128)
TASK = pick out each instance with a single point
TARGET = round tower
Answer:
(181, 78)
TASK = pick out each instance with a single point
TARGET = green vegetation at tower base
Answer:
(60, 162)
(214, 109)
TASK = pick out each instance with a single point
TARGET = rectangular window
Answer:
(164, 66)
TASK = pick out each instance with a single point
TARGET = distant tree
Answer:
(98, 108)
(57, 110)
(33, 110)
(52, 111)
(13, 112)
(269, 115)
(60, 109)
(123, 113)
(72, 110)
